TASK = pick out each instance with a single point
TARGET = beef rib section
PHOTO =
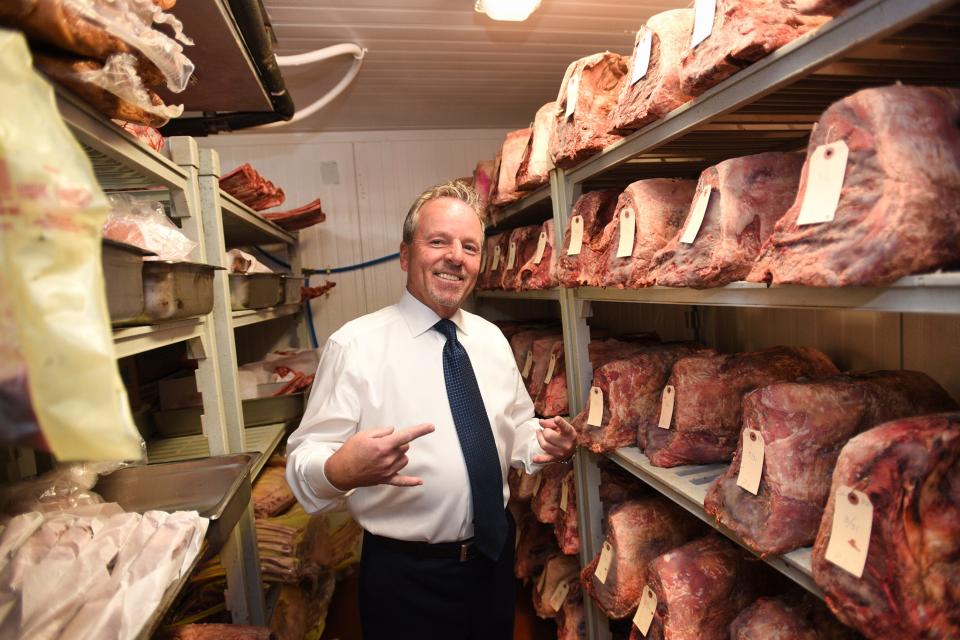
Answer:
(510, 156)
(542, 274)
(537, 162)
(593, 210)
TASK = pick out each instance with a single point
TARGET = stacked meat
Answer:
(540, 271)
(536, 163)
(511, 154)
(580, 260)
(299, 218)
(252, 189)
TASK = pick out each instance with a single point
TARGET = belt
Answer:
(462, 551)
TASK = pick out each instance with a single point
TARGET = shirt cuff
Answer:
(316, 479)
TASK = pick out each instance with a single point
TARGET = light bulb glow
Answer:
(508, 10)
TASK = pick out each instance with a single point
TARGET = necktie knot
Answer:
(447, 328)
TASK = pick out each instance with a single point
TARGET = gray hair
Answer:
(458, 189)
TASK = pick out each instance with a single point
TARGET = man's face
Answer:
(443, 258)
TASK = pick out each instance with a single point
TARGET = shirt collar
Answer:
(421, 318)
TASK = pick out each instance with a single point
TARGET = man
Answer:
(416, 415)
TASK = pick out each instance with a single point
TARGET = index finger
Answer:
(403, 436)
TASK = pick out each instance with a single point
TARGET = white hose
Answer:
(315, 56)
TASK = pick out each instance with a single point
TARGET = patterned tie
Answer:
(476, 442)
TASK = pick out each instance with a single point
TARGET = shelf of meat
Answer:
(688, 485)
(242, 226)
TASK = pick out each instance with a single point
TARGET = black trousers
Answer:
(406, 596)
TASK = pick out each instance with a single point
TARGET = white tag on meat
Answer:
(645, 611)
(527, 364)
(628, 225)
(850, 530)
(603, 564)
(512, 256)
(595, 415)
(692, 228)
(541, 247)
(703, 21)
(826, 169)
(550, 368)
(751, 461)
(641, 56)
(559, 595)
(666, 406)
(576, 236)
(573, 90)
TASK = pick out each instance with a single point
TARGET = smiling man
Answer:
(416, 415)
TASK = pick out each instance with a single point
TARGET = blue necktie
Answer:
(477, 444)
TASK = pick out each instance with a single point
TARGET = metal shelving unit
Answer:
(539, 294)
(128, 341)
(253, 316)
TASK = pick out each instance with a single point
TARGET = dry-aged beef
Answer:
(552, 399)
(596, 208)
(536, 163)
(536, 543)
(657, 207)
(495, 248)
(586, 131)
(271, 495)
(218, 631)
(510, 156)
(631, 383)
(910, 588)
(299, 218)
(541, 348)
(483, 177)
(572, 623)
(557, 570)
(521, 341)
(523, 242)
(745, 31)
(789, 618)
(618, 485)
(747, 197)
(700, 589)
(804, 425)
(540, 275)
(658, 92)
(708, 394)
(899, 209)
(638, 531)
(545, 502)
(252, 189)
(566, 526)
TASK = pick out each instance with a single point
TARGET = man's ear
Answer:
(404, 256)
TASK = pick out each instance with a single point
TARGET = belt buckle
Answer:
(465, 551)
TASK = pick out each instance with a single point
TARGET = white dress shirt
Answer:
(386, 369)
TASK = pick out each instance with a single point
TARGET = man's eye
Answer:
(471, 249)
(436, 243)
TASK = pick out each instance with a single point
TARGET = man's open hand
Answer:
(558, 439)
(374, 457)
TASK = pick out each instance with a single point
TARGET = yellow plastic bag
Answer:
(56, 349)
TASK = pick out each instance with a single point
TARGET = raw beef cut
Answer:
(542, 275)
(525, 485)
(552, 399)
(557, 570)
(495, 255)
(597, 80)
(745, 31)
(747, 197)
(271, 495)
(789, 617)
(536, 163)
(483, 183)
(708, 394)
(523, 243)
(536, 543)
(804, 425)
(638, 531)
(910, 471)
(218, 631)
(566, 526)
(618, 485)
(658, 92)
(596, 208)
(542, 348)
(545, 502)
(899, 209)
(658, 207)
(521, 341)
(510, 156)
(631, 382)
(571, 622)
(299, 218)
(700, 589)
(252, 189)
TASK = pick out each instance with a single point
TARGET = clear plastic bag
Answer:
(145, 225)
(64, 488)
(119, 76)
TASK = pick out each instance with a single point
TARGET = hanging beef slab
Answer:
(524, 239)
(586, 131)
(638, 531)
(559, 569)
(700, 589)
(536, 544)
(789, 617)
(597, 209)
(747, 197)
(910, 471)
(510, 156)
(489, 276)
(545, 502)
(658, 92)
(537, 162)
(658, 207)
(708, 394)
(572, 623)
(899, 209)
(542, 349)
(552, 399)
(804, 425)
(543, 275)
(566, 526)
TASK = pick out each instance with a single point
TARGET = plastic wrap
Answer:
(146, 135)
(62, 489)
(57, 366)
(144, 224)
(243, 262)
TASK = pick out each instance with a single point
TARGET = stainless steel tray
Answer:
(218, 487)
(291, 289)
(255, 290)
(256, 411)
(123, 275)
(175, 290)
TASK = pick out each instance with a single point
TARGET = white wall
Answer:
(366, 182)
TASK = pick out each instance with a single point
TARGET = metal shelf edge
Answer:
(272, 435)
(254, 316)
(271, 232)
(536, 294)
(128, 341)
(533, 197)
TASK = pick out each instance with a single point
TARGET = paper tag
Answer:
(496, 258)
(696, 215)
(550, 368)
(573, 89)
(751, 461)
(528, 363)
(645, 611)
(825, 171)
(666, 406)
(512, 256)
(536, 484)
(559, 595)
(564, 496)
(641, 56)
(628, 223)
(595, 416)
(850, 531)
(603, 564)
(483, 261)
(541, 247)
(703, 21)
(576, 236)
(541, 580)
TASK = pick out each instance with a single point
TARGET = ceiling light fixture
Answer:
(510, 10)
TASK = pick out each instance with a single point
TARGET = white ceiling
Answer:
(436, 64)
